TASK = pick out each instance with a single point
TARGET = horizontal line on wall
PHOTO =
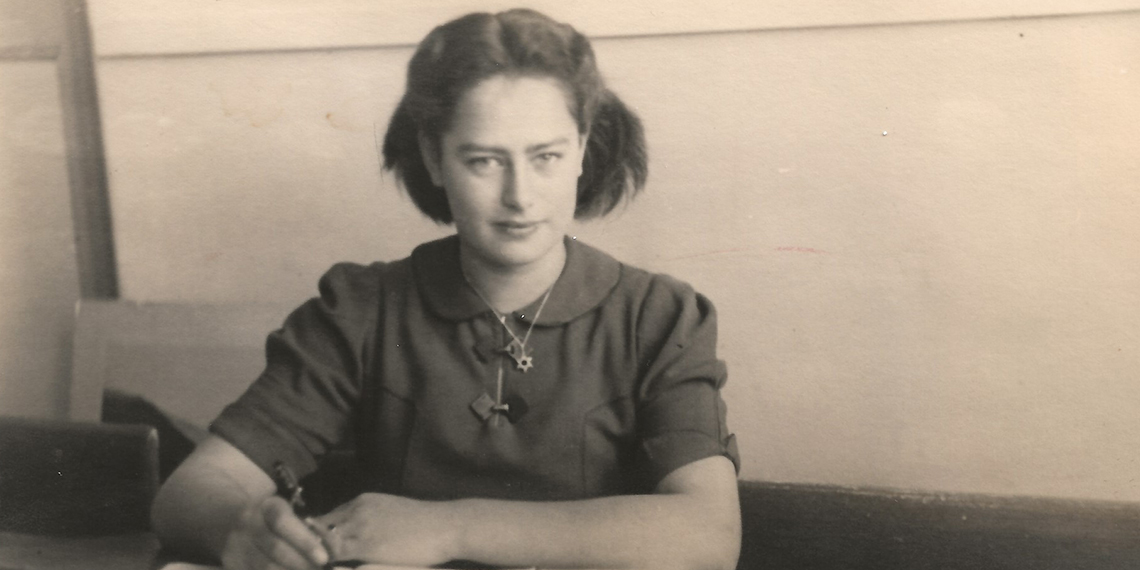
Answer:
(267, 51)
(617, 36)
(901, 23)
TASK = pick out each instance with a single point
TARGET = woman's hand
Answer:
(388, 529)
(269, 536)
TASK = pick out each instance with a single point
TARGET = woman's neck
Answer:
(510, 288)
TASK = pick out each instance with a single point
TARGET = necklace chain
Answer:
(523, 360)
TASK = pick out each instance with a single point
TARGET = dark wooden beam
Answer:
(792, 527)
(86, 165)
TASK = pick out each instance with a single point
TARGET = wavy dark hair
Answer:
(457, 55)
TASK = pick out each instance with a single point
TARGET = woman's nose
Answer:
(518, 189)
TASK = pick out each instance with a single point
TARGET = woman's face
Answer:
(509, 165)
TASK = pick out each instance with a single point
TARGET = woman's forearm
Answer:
(200, 502)
(691, 521)
(685, 528)
(650, 531)
(193, 517)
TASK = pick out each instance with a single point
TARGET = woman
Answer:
(513, 397)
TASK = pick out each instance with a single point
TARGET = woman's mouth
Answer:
(516, 229)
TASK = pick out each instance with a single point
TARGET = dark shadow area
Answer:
(76, 479)
(174, 444)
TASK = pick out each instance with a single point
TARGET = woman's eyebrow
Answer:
(531, 149)
(543, 146)
(473, 147)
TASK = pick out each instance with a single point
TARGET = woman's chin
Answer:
(519, 255)
(522, 252)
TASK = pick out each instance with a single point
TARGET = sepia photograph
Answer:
(381, 284)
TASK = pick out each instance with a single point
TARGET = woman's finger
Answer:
(278, 553)
(326, 533)
(250, 554)
(282, 522)
(334, 536)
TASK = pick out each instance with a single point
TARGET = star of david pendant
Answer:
(518, 353)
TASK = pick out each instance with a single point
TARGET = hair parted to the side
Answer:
(457, 55)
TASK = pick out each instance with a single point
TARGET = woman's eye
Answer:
(547, 158)
(483, 164)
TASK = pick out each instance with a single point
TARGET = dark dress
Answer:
(400, 362)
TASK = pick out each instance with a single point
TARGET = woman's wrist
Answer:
(457, 517)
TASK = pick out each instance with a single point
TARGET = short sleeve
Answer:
(303, 403)
(681, 416)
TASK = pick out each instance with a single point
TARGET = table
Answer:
(136, 551)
